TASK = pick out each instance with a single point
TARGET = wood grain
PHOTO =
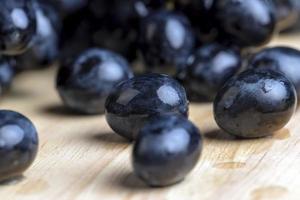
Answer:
(81, 159)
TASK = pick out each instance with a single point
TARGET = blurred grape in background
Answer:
(161, 36)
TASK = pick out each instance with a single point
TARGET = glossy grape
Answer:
(166, 150)
(255, 104)
(134, 101)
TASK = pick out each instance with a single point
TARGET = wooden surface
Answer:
(81, 159)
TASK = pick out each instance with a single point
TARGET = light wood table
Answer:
(80, 158)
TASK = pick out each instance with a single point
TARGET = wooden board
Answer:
(80, 158)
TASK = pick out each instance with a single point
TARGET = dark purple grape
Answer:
(166, 150)
(255, 104)
(85, 83)
(17, 26)
(245, 23)
(166, 41)
(18, 144)
(133, 102)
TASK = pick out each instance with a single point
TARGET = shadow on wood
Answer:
(12, 181)
(62, 111)
(222, 135)
(18, 94)
(108, 137)
(129, 181)
(218, 134)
